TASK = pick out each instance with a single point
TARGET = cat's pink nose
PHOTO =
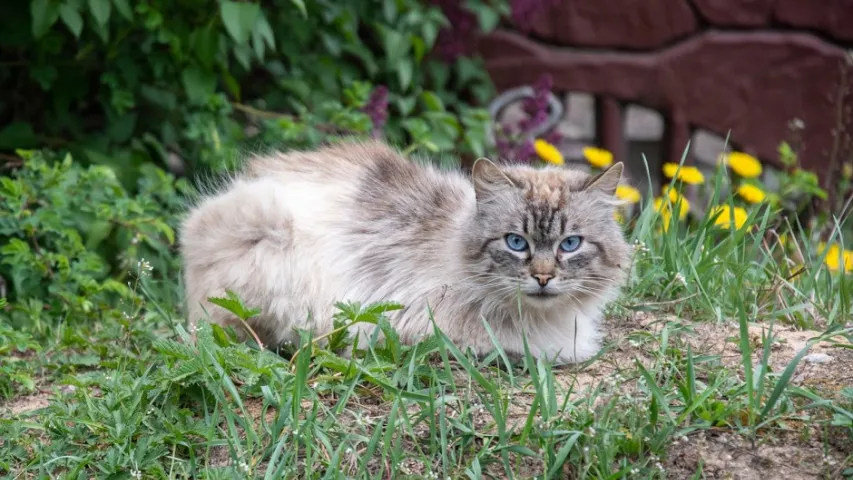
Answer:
(542, 278)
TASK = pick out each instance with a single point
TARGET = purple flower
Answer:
(525, 152)
(524, 11)
(514, 143)
(377, 109)
(452, 41)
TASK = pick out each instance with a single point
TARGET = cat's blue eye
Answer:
(570, 244)
(516, 242)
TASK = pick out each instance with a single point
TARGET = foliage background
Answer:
(125, 96)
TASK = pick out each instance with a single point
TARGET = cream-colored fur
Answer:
(297, 232)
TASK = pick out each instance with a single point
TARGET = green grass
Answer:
(136, 399)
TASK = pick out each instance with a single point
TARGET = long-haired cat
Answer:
(531, 251)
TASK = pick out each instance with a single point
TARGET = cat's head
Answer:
(547, 235)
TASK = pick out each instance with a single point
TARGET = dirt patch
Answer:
(24, 405)
(790, 456)
(793, 455)
(827, 367)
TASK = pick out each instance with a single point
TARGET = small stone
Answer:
(817, 358)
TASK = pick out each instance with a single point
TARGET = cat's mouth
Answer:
(542, 294)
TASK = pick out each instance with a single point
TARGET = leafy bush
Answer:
(119, 93)
(71, 235)
(170, 83)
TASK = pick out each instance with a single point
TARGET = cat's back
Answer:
(349, 159)
(373, 180)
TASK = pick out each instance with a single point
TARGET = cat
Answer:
(533, 251)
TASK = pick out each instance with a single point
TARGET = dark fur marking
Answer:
(486, 244)
(603, 252)
(505, 258)
(551, 220)
(578, 261)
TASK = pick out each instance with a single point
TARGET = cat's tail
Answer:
(227, 239)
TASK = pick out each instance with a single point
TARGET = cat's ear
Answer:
(488, 178)
(606, 181)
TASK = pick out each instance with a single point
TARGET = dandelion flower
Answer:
(686, 174)
(837, 259)
(597, 157)
(744, 164)
(618, 216)
(664, 212)
(751, 193)
(628, 193)
(676, 199)
(548, 152)
(728, 216)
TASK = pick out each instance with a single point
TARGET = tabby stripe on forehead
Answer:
(525, 225)
(563, 221)
(544, 220)
(551, 220)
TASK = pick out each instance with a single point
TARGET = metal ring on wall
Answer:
(505, 99)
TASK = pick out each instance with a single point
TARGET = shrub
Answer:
(192, 84)
(117, 93)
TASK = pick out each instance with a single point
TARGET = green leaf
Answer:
(239, 19)
(101, 11)
(405, 70)
(430, 33)
(432, 101)
(124, 9)
(389, 10)
(162, 98)
(45, 75)
(166, 230)
(395, 45)
(205, 42)
(416, 127)
(44, 13)
(784, 380)
(199, 84)
(265, 31)
(235, 305)
(300, 4)
(18, 135)
(231, 84)
(488, 18)
(72, 19)
(243, 54)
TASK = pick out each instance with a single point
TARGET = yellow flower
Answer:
(665, 213)
(676, 199)
(618, 216)
(628, 193)
(728, 216)
(837, 259)
(548, 152)
(686, 174)
(751, 193)
(663, 208)
(744, 164)
(597, 157)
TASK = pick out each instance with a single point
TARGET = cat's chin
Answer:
(542, 299)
